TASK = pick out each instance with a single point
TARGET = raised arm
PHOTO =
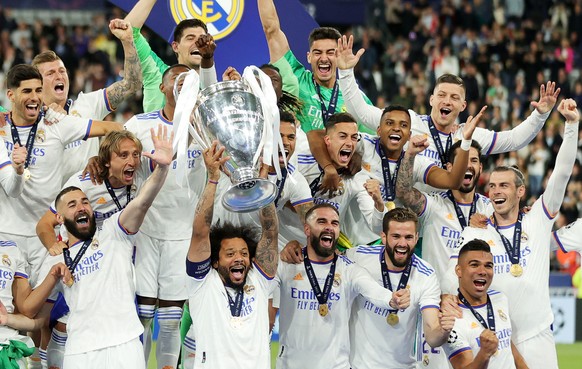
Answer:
(134, 213)
(101, 128)
(405, 192)
(140, 12)
(556, 187)
(11, 179)
(45, 230)
(330, 181)
(522, 135)
(440, 178)
(131, 82)
(276, 39)
(267, 255)
(368, 115)
(200, 242)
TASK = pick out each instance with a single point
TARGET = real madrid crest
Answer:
(94, 244)
(6, 260)
(502, 315)
(40, 136)
(524, 236)
(249, 289)
(337, 280)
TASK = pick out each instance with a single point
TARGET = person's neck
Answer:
(392, 154)
(312, 255)
(389, 263)
(473, 300)
(114, 181)
(20, 121)
(507, 219)
(48, 101)
(168, 112)
(444, 129)
(72, 240)
(463, 197)
(327, 84)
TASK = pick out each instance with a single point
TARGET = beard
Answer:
(72, 228)
(320, 250)
(224, 272)
(396, 263)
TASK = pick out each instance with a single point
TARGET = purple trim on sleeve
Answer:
(88, 132)
(550, 217)
(21, 275)
(304, 201)
(2, 165)
(123, 228)
(106, 98)
(425, 176)
(268, 277)
(198, 270)
(461, 350)
(555, 235)
(429, 307)
(493, 142)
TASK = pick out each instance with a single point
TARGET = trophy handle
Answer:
(177, 84)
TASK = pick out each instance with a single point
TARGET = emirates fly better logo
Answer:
(221, 16)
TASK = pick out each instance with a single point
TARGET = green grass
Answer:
(569, 356)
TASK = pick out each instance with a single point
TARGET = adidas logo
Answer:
(101, 201)
(298, 277)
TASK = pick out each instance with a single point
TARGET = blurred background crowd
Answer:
(503, 49)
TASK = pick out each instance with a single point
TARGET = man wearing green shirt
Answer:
(318, 90)
(193, 45)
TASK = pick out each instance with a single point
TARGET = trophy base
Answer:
(249, 195)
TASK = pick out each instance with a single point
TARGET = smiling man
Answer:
(482, 337)
(358, 195)
(231, 270)
(521, 246)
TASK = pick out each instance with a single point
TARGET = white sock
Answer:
(168, 346)
(42, 354)
(188, 352)
(146, 315)
(34, 360)
(56, 349)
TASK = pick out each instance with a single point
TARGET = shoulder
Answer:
(422, 266)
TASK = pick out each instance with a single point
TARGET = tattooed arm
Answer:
(408, 195)
(131, 82)
(267, 254)
(200, 242)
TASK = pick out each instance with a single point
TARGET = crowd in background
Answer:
(503, 49)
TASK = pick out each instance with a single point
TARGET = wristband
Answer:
(466, 144)
(213, 182)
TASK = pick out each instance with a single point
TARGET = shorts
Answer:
(128, 355)
(33, 252)
(539, 352)
(160, 268)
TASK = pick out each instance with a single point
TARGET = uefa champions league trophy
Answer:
(231, 113)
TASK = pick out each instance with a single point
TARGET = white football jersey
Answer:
(568, 237)
(224, 341)
(102, 299)
(92, 105)
(10, 182)
(12, 265)
(440, 228)
(171, 215)
(532, 287)
(21, 214)
(308, 340)
(375, 343)
(365, 222)
(466, 332)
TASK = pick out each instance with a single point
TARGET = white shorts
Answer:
(539, 352)
(33, 252)
(160, 268)
(128, 355)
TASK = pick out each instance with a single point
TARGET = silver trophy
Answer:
(231, 114)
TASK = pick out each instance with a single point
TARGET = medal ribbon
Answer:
(72, 264)
(437, 141)
(328, 111)
(236, 305)
(386, 275)
(68, 105)
(281, 184)
(114, 197)
(389, 180)
(460, 215)
(29, 141)
(512, 252)
(314, 186)
(490, 317)
(321, 296)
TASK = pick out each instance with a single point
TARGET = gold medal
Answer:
(392, 319)
(323, 310)
(390, 205)
(516, 270)
(26, 174)
(70, 282)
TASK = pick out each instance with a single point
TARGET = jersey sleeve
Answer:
(356, 102)
(72, 129)
(10, 181)
(296, 67)
(44, 271)
(568, 238)
(431, 294)
(364, 284)
(422, 165)
(290, 83)
(300, 191)
(152, 68)
(366, 204)
(458, 342)
(21, 264)
(93, 104)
